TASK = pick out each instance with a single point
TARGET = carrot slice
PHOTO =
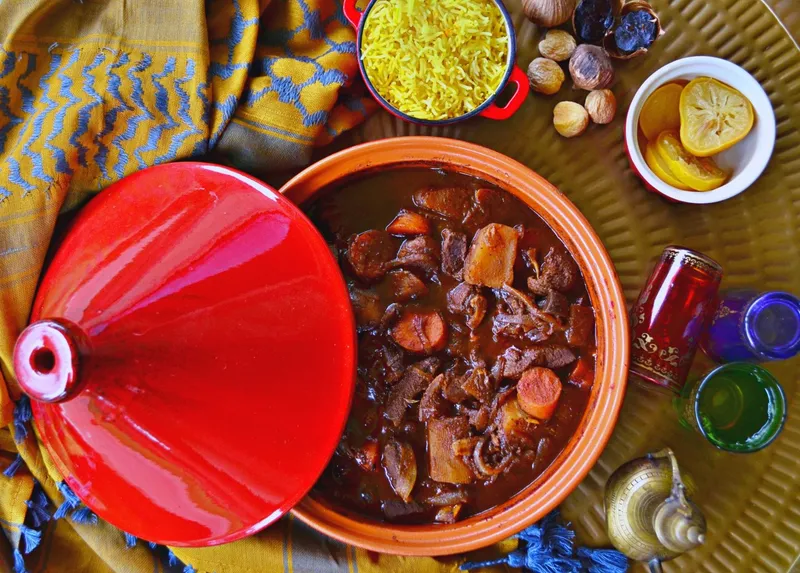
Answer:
(420, 332)
(409, 223)
(538, 392)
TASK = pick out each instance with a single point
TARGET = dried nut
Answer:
(601, 105)
(548, 13)
(557, 45)
(545, 76)
(591, 68)
(570, 118)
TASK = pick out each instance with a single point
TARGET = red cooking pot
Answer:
(514, 74)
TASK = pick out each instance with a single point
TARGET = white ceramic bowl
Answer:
(745, 160)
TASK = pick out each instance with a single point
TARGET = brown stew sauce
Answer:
(450, 373)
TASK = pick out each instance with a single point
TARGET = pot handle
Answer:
(352, 13)
(520, 79)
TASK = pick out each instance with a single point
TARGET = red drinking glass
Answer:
(670, 315)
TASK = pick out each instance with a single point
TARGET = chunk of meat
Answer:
(420, 253)
(555, 356)
(391, 315)
(466, 299)
(406, 285)
(490, 261)
(450, 202)
(444, 465)
(498, 205)
(538, 392)
(381, 361)
(478, 385)
(490, 205)
(409, 223)
(513, 423)
(369, 254)
(452, 388)
(433, 404)
(420, 332)
(367, 456)
(367, 308)
(448, 514)
(556, 304)
(413, 383)
(582, 375)
(400, 466)
(581, 326)
(480, 418)
(393, 360)
(395, 509)
(513, 362)
(454, 253)
(458, 297)
(558, 272)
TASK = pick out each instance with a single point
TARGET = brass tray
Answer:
(752, 502)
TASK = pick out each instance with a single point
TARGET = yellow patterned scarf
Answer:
(92, 90)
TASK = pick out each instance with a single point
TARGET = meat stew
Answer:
(476, 345)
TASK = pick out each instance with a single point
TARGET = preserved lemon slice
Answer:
(714, 117)
(699, 173)
(660, 168)
(661, 111)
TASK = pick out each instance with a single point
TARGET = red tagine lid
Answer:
(191, 357)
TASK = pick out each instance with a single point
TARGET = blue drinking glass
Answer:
(753, 327)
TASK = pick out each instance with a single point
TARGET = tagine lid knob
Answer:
(46, 361)
(191, 355)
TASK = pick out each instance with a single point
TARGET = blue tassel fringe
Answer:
(130, 540)
(173, 561)
(31, 537)
(19, 562)
(11, 470)
(37, 507)
(73, 507)
(602, 560)
(22, 416)
(549, 547)
(84, 515)
(71, 501)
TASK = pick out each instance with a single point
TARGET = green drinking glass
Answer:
(738, 407)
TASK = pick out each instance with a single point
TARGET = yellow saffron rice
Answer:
(435, 59)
